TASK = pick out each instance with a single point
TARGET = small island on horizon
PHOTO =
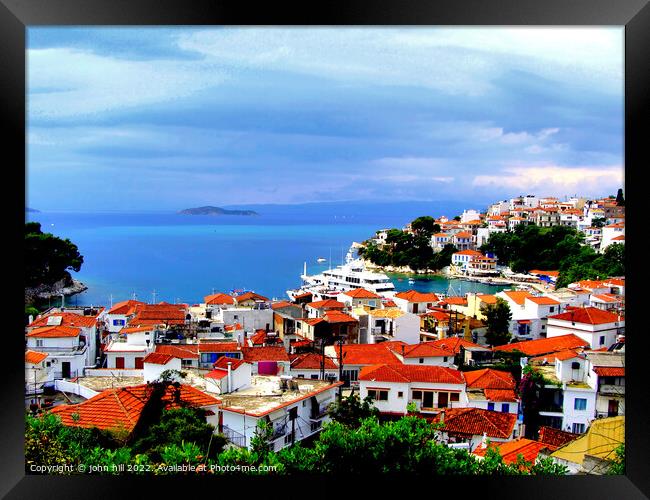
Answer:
(209, 210)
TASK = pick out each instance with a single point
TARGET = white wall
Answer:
(571, 415)
(589, 333)
(152, 371)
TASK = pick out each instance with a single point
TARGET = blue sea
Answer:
(182, 258)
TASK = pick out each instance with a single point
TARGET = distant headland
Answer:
(215, 211)
(27, 209)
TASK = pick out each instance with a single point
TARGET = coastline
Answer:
(66, 287)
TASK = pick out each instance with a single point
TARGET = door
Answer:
(427, 399)
(119, 362)
(443, 399)
(139, 364)
(612, 408)
(65, 369)
(415, 308)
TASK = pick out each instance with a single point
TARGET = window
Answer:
(315, 426)
(378, 394)
(552, 308)
(454, 396)
(421, 360)
(119, 322)
(186, 362)
(417, 395)
(236, 316)
(445, 359)
(491, 406)
(505, 407)
(602, 340)
(575, 365)
(580, 404)
(400, 394)
(39, 343)
(300, 375)
(314, 377)
(578, 428)
(304, 403)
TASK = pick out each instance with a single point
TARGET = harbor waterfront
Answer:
(181, 258)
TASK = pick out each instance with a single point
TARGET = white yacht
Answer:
(348, 276)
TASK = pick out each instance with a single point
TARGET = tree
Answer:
(350, 410)
(618, 464)
(620, 201)
(498, 318)
(598, 222)
(47, 257)
(425, 225)
(530, 388)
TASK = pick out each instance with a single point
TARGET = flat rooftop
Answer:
(99, 384)
(265, 395)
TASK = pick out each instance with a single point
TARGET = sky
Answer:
(156, 118)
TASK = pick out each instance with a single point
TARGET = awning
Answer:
(523, 321)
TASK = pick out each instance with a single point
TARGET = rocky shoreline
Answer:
(402, 270)
(67, 286)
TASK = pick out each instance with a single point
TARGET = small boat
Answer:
(321, 259)
(411, 281)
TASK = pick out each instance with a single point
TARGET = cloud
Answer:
(554, 179)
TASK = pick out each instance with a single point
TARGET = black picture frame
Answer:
(17, 15)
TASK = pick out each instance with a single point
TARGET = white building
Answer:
(67, 352)
(430, 388)
(599, 328)
(38, 372)
(393, 324)
(415, 302)
(469, 215)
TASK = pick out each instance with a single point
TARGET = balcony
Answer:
(611, 389)
(234, 437)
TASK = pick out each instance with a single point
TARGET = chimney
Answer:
(229, 389)
(31, 319)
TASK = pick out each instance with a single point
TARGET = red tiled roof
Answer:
(126, 307)
(411, 373)
(560, 356)
(554, 438)
(610, 371)
(368, 354)
(511, 450)
(489, 379)
(517, 297)
(219, 347)
(415, 296)
(454, 344)
(421, 350)
(259, 337)
(461, 301)
(219, 299)
(223, 361)
(158, 358)
(361, 293)
(217, 373)
(67, 319)
(587, 315)
(476, 422)
(55, 332)
(500, 395)
(327, 304)
(311, 361)
(463, 234)
(543, 301)
(616, 281)
(232, 328)
(183, 351)
(473, 253)
(312, 321)
(251, 296)
(486, 298)
(115, 409)
(607, 297)
(33, 357)
(338, 317)
(137, 329)
(268, 353)
(544, 346)
(282, 304)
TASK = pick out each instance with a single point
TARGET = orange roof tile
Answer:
(311, 361)
(251, 296)
(487, 299)
(126, 307)
(157, 358)
(33, 357)
(368, 354)
(67, 319)
(543, 301)
(182, 351)
(463, 234)
(218, 299)
(554, 438)
(223, 361)
(587, 315)
(115, 409)
(55, 332)
(411, 373)
(489, 379)
(544, 346)
(476, 422)
(511, 450)
(219, 347)
(454, 344)
(610, 371)
(327, 304)
(268, 353)
(415, 296)
(137, 329)
(361, 293)
(339, 317)
(500, 395)
(421, 350)
(517, 297)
